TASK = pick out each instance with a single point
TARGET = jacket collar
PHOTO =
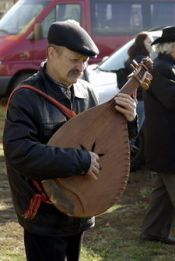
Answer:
(79, 90)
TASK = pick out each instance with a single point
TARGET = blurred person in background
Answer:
(141, 48)
(138, 50)
(159, 103)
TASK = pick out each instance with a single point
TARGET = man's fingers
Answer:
(126, 105)
(95, 166)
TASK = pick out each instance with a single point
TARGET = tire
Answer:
(137, 152)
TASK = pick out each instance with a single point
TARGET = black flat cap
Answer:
(71, 35)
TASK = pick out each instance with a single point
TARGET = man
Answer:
(160, 140)
(31, 121)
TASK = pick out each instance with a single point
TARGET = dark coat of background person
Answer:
(159, 111)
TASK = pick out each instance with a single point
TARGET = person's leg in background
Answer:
(160, 215)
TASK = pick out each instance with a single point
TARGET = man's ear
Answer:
(51, 53)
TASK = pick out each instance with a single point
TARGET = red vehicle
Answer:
(111, 23)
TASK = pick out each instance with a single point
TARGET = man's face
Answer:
(65, 66)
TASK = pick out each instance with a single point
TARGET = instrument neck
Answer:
(130, 86)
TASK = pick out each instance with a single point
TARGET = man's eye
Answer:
(74, 60)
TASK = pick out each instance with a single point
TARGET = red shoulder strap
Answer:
(67, 112)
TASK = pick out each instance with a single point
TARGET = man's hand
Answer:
(125, 104)
(94, 169)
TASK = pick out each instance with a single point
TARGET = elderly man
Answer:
(31, 121)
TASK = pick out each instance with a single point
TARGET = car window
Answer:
(61, 12)
(106, 15)
(111, 17)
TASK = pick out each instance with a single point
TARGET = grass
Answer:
(115, 237)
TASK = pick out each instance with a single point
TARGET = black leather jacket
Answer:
(31, 121)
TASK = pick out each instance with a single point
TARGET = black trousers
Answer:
(54, 248)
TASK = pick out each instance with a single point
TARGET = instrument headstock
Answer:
(142, 72)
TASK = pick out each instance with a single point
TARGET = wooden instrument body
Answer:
(104, 130)
(82, 196)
